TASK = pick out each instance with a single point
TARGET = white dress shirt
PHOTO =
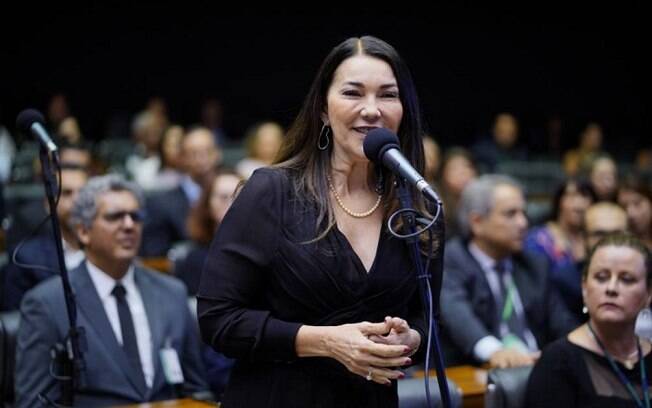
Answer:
(72, 256)
(486, 346)
(104, 284)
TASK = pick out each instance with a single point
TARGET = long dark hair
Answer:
(583, 187)
(309, 166)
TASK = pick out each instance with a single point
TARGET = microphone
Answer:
(381, 147)
(31, 121)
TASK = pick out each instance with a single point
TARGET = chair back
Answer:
(506, 387)
(412, 393)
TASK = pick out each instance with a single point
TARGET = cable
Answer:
(19, 246)
(427, 297)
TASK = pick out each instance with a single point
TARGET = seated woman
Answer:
(204, 219)
(561, 240)
(457, 170)
(602, 363)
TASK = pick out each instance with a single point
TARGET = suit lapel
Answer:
(91, 306)
(484, 282)
(156, 318)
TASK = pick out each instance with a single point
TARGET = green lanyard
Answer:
(624, 380)
(508, 308)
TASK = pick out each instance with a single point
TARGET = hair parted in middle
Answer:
(308, 166)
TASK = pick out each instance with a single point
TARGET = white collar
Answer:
(487, 262)
(104, 284)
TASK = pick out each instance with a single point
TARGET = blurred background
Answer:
(469, 64)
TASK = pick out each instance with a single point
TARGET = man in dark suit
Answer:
(136, 321)
(37, 259)
(497, 304)
(167, 211)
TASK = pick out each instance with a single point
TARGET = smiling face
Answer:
(363, 95)
(615, 288)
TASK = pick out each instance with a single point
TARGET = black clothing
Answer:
(262, 281)
(571, 376)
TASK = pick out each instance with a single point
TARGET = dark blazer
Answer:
(107, 378)
(165, 223)
(40, 251)
(468, 308)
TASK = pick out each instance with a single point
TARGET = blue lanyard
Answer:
(624, 380)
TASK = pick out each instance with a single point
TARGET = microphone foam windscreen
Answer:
(27, 117)
(377, 142)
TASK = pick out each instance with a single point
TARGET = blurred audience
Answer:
(635, 196)
(69, 130)
(604, 177)
(501, 146)
(432, 154)
(171, 170)
(58, 110)
(590, 145)
(37, 259)
(457, 170)
(262, 142)
(143, 166)
(76, 154)
(203, 221)
(212, 117)
(7, 154)
(167, 211)
(602, 219)
(500, 307)
(561, 240)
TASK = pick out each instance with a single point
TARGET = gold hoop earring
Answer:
(320, 145)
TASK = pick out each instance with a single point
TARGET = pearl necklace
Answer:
(346, 210)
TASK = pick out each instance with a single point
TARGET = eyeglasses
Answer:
(136, 216)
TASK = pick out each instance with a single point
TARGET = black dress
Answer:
(571, 376)
(262, 281)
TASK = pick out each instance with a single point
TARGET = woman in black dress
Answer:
(602, 363)
(303, 284)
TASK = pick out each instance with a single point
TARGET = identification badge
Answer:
(171, 365)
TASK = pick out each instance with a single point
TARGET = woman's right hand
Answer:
(350, 345)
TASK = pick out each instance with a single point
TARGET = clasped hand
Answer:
(373, 350)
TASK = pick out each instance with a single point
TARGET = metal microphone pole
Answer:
(409, 221)
(68, 356)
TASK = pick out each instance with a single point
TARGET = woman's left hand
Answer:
(399, 334)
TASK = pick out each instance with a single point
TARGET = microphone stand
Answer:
(423, 279)
(68, 356)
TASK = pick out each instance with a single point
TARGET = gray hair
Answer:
(478, 197)
(84, 209)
